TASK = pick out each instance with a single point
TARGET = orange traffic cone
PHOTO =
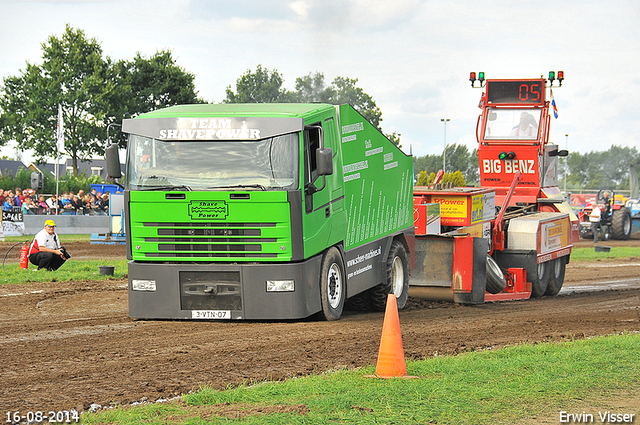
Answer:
(391, 362)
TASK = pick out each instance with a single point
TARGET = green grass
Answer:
(616, 253)
(513, 384)
(71, 270)
(63, 238)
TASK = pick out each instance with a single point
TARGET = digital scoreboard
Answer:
(516, 92)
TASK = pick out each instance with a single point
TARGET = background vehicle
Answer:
(617, 220)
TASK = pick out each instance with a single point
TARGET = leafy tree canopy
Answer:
(458, 158)
(93, 91)
(456, 179)
(264, 86)
(600, 170)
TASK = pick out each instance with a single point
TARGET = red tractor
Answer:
(615, 222)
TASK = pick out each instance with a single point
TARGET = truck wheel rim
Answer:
(397, 277)
(557, 269)
(627, 225)
(541, 267)
(335, 286)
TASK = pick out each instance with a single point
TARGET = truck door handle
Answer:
(327, 212)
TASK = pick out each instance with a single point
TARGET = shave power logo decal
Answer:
(208, 210)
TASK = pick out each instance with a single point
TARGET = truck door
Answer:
(317, 195)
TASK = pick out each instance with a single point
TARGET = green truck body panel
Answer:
(378, 181)
(187, 228)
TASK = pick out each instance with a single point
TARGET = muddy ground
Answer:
(66, 345)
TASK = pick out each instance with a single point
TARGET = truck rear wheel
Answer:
(540, 281)
(556, 278)
(397, 279)
(332, 284)
(621, 224)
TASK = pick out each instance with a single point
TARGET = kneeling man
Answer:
(45, 251)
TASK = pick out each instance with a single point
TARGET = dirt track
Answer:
(65, 345)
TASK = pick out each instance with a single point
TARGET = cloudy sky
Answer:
(412, 56)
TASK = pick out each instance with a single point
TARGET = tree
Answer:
(262, 86)
(458, 159)
(93, 92)
(311, 88)
(601, 170)
(347, 92)
(73, 75)
(456, 179)
(151, 83)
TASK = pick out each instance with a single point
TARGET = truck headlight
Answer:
(143, 285)
(280, 285)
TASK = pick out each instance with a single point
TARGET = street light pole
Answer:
(444, 152)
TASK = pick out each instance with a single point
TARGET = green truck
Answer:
(263, 211)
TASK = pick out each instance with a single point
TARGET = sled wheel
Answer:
(495, 279)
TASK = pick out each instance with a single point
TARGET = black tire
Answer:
(495, 279)
(359, 302)
(397, 279)
(332, 284)
(621, 224)
(556, 275)
(540, 279)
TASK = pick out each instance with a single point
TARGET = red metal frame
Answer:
(517, 287)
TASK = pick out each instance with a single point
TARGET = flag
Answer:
(60, 131)
(553, 105)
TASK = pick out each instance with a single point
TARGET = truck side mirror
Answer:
(112, 158)
(324, 161)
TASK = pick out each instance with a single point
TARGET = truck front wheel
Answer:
(540, 281)
(332, 284)
(556, 278)
(397, 279)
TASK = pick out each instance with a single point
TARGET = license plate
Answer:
(211, 314)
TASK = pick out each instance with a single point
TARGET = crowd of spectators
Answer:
(70, 203)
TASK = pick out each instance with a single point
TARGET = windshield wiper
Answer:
(240, 186)
(169, 187)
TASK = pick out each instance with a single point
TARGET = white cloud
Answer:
(412, 56)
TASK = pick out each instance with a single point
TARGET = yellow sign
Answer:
(452, 206)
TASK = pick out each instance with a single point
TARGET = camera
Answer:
(65, 254)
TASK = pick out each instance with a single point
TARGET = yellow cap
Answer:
(49, 223)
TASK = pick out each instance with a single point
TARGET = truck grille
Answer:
(211, 240)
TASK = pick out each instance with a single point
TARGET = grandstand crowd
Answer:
(70, 203)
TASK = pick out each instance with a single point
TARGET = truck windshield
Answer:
(268, 164)
(512, 124)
